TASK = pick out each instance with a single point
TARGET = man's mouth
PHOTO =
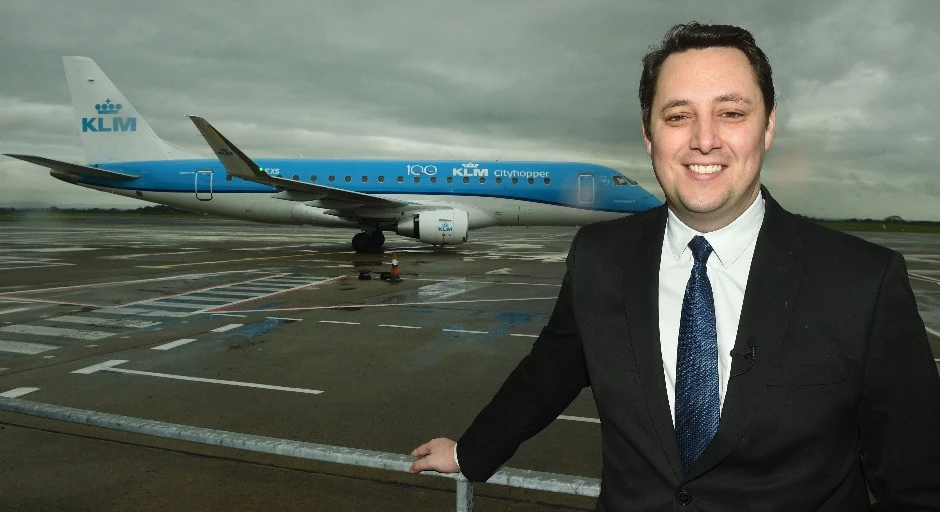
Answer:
(705, 169)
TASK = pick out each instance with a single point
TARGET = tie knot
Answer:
(700, 249)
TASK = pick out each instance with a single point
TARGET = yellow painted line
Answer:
(223, 261)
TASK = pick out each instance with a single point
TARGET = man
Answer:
(741, 358)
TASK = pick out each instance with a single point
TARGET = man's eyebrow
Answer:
(675, 103)
(734, 98)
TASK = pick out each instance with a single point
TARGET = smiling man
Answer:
(741, 358)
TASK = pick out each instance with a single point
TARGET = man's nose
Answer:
(704, 135)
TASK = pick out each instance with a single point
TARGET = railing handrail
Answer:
(522, 478)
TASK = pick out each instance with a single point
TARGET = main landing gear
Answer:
(368, 241)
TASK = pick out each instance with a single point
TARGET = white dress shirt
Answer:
(728, 267)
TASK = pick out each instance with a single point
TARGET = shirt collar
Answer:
(728, 242)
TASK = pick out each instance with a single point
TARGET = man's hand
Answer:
(436, 454)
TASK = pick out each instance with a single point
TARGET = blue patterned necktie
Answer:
(697, 405)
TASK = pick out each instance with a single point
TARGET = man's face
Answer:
(708, 134)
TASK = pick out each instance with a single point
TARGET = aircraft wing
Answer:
(80, 170)
(239, 164)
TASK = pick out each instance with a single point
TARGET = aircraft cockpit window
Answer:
(623, 180)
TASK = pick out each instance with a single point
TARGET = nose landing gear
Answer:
(368, 241)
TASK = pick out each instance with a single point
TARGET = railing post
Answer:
(464, 495)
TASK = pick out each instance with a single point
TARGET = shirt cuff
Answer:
(457, 462)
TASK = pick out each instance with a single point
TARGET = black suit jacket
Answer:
(843, 390)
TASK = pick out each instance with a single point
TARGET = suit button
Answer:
(683, 497)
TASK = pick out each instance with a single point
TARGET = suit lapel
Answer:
(641, 308)
(771, 289)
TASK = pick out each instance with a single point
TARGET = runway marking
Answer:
(228, 327)
(38, 266)
(223, 261)
(338, 322)
(931, 331)
(285, 319)
(465, 331)
(227, 314)
(14, 310)
(117, 283)
(21, 347)
(60, 302)
(174, 344)
(143, 312)
(342, 306)
(526, 335)
(500, 271)
(89, 320)
(928, 278)
(579, 418)
(18, 392)
(56, 331)
(259, 297)
(109, 366)
(399, 326)
(486, 282)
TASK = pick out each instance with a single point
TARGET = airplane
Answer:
(435, 201)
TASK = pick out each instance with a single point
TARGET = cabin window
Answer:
(400, 179)
(365, 179)
(515, 180)
(433, 179)
(417, 179)
(466, 179)
(531, 180)
(348, 179)
(450, 179)
(331, 179)
(313, 178)
(228, 177)
(547, 181)
(499, 180)
(482, 180)
(381, 179)
(296, 178)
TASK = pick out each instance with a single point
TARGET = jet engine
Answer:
(436, 227)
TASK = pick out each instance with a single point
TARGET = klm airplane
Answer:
(435, 201)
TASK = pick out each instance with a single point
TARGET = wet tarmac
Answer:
(267, 330)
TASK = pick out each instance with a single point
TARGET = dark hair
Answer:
(695, 36)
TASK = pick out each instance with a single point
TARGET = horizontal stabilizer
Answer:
(79, 170)
(238, 164)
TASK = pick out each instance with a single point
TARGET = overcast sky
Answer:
(858, 86)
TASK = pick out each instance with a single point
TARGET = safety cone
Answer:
(394, 277)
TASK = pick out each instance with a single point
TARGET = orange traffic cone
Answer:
(394, 277)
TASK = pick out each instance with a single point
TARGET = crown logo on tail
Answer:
(108, 108)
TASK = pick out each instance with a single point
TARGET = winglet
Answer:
(232, 158)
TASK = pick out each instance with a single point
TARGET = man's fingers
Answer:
(421, 451)
(436, 454)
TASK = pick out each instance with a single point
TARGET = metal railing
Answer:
(525, 479)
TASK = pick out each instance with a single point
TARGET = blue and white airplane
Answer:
(435, 201)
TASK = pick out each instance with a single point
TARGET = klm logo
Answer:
(445, 227)
(112, 123)
(470, 169)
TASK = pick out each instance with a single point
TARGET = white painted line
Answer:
(226, 314)
(108, 322)
(201, 290)
(110, 366)
(259, 297)
(526, 335)
(38, 266)
(399, 326)
(400, 304)
(285, 319)
(338, 322)
(14, 310)
(48, 357)
(92, 346)
(173, 344)
(2, 369)
(228, 327)
(100, 366)
(579, 418)
(143, 312)
(182, 305)
(21, 347)
(41, 330)
(18, 392)
(931, 331)
(465, 331)
(500, 271)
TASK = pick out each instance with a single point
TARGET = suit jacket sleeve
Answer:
(534, 394)
(899, 412)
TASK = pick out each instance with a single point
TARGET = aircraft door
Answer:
(585, 188)
(204, 185)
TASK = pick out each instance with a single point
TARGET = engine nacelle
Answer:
(437, 227)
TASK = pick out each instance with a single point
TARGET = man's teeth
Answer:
(705, 169)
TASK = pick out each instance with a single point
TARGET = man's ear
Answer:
(647, 141)
(771, 128)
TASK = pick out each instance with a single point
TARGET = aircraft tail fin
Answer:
(110, 127)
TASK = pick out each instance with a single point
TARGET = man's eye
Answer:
(675, 117)
(731, 114)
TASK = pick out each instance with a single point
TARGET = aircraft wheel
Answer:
(360, 242)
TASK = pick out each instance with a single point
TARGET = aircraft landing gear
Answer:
(368, 241)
